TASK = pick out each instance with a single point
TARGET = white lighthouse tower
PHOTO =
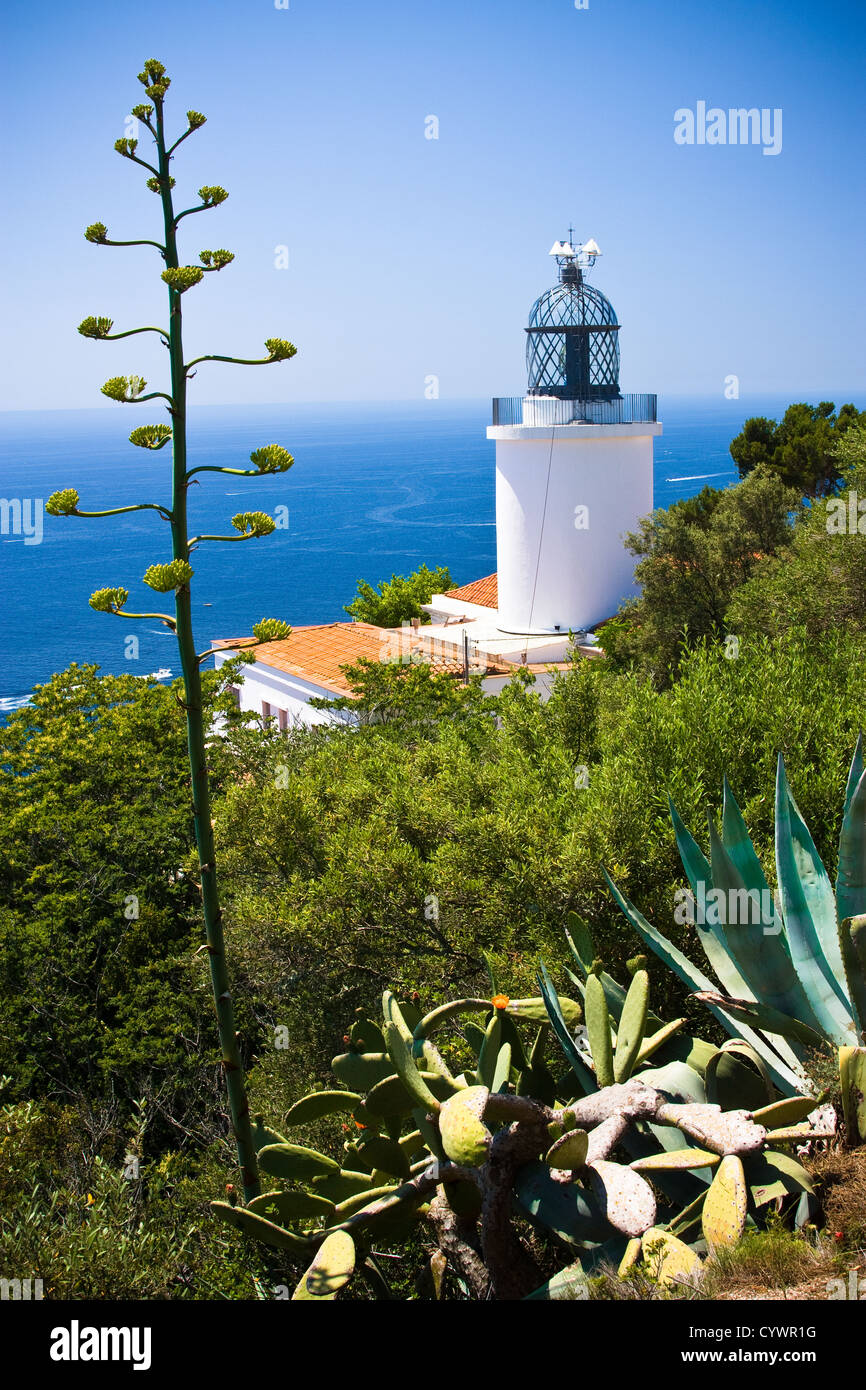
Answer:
(574, 464)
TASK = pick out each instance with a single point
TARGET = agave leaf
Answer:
(768, 1019)
(700, 876)
(489, 1052)
(855, 772)
(851, 887)
(502, 1070)
(569, 1211)
(756, 941)
(810, 916)
(733, 1085)
(852, 1075)
(585, 1076)
(784, 1076)
(771, 1174)
(779, 982)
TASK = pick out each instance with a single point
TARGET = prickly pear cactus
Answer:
(615, 1170)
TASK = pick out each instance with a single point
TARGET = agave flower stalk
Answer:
(175, 577)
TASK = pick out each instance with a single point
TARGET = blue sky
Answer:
(411, 257)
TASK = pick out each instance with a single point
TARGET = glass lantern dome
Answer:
(572, 348)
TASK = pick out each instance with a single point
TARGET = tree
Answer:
(398, 601)
(411, 694)
(175, 576)
(818, 581)
(800, 448)
(692, 557)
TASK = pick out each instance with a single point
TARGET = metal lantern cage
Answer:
(572, 348)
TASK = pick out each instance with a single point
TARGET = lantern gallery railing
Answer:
(552, 410)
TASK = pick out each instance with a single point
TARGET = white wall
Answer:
(282, 691)
(578, 575)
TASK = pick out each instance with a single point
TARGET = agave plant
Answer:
(790, 967)
(626, 1157)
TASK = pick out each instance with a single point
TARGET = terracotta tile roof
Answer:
(481, 591)
(317, 653)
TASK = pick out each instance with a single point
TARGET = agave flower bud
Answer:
(124, 388)
(164, 578)
(271, 630)
(109, 600)
(183, 278)
(126, 146)
(195, 119)
(142, 112)
(271, 458)
(96, 233)
(254, 523)
(212, 195)
(155, 185)
(279, 350)
(63, 503)
(95, 327)
(215, 260)
(151, 436)
(157, 90)
(153, 70)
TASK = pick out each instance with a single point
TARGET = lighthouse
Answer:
(574, 463)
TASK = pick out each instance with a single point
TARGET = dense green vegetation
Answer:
(801, 448)
(399, 599)
(386, 855)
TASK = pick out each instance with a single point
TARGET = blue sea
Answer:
(377, 489)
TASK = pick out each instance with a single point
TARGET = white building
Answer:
(574, 474)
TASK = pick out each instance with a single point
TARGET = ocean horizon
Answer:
(378, 488)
